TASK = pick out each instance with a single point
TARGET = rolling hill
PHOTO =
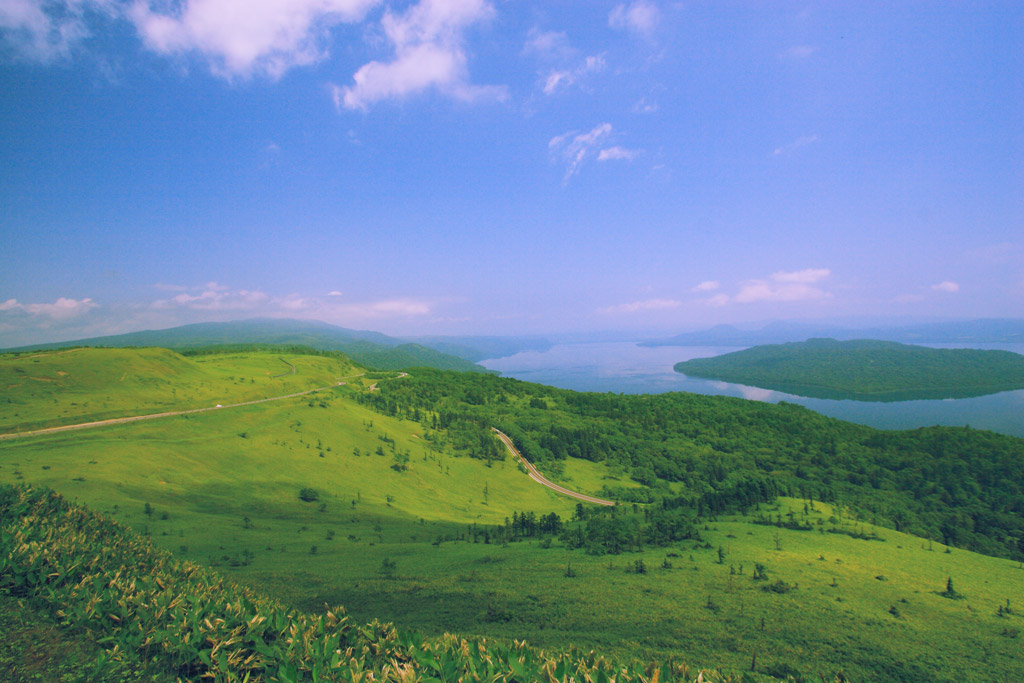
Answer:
(388, 495)
(372, 349)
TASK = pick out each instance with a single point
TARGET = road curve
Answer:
(541, 479)
(154, 416)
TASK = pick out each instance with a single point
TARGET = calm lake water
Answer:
(625, 367)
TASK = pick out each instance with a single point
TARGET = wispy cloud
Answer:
(800, 285)
(640, 17)
(640, 306)
(427, 40)
(796, 144)
(245, 37)
(47, 31)
(61, 309)
(548, 44)
(617, 153)
(645, 106)
(947, 286)
(781, 286)
(575, 148)
(560, 79)
(214, 297)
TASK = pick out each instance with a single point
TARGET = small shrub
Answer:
(778, 586)
(309, 495)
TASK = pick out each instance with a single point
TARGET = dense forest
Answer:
(865, 370)
(956, 485)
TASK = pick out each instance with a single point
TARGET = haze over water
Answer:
(625, 367)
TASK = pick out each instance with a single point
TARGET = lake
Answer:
(625, 367)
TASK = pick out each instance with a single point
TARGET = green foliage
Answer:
(308, 495)
(198, 626)
(865, 370)
(209, 480)
(712, 453)
(950, 591)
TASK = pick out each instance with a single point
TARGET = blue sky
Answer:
(497, 167)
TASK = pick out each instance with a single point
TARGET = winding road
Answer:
(531, 470)
(541, 479)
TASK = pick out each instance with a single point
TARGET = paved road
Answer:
(540, 479)
(154, 416)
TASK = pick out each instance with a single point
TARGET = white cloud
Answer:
(640, 17)
(707, 286)
(243, 37)
(215, 298)
(559, 79)
(640, 306)
(806, 275)
(643, 106)
(547, 44)
(575, 148)
(947, 286)
(796, 144)
(785, 286)
(427, 40)
(553, 80)
(61, 309)
(618, 153)
(46, 31)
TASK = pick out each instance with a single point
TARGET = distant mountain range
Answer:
(983, 331)
(372, 349)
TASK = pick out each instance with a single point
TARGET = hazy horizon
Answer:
(451, 167)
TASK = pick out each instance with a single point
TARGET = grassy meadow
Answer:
(51, 388)
(319, 500)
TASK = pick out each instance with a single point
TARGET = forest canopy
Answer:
(955, 484)
(865, 370)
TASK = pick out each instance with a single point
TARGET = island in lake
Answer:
(865, 370)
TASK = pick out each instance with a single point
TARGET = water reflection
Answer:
(624, 367)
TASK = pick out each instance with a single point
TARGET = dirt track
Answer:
(154, 416)
(540, 479)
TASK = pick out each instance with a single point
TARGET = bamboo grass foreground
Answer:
(183, 617)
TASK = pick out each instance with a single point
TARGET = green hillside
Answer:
(49, 388)
(388, 495)
(865, 370)
(372, 349)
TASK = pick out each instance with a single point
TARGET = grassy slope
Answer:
(208, 472)
(865, 370)
(79, 385)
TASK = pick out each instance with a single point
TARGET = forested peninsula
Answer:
(865, 370)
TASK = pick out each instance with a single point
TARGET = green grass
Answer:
(223, 489)
(53, 388)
